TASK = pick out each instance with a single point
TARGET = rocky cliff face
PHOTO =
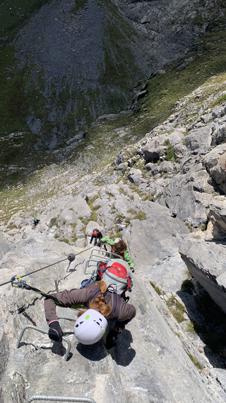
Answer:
(165, 196)
(65, 64)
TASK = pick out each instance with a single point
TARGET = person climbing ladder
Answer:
(106, 312)
(118, 246)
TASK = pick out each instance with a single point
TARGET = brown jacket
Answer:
(121, 311)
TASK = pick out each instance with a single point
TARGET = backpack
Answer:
(116, 276)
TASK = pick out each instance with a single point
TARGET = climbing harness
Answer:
(71, 258)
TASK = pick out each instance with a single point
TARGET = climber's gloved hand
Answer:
(55, 331)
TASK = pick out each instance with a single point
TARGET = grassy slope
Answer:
(103, 141)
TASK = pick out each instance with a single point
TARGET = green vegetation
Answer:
(176, 308)
(14, 12)
(164, 90)
(93, 216)
(195, 361)
(219, 100)
(117, 57)
(53, 222)
(148, 197)
(13, 102)
(190, 327)
(156, 288)
(170, 153)
(137, 215)
(79, 5)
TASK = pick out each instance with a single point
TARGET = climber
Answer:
(104, 306)
(96, 236)
(115, 275)
(118, 247)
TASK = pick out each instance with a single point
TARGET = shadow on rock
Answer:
(209, 323)
(95, 352)
(122, 353)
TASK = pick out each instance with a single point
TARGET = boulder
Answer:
(206, 262)
(152, 154)
(218, 134)
(215, 162)
(122, 167)
(217, 216)
(199, 139)
(219, 111)
(135, 176)
(184, 199)
(152, 168)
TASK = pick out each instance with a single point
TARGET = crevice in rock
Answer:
(209, 321)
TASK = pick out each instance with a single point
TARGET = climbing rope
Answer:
(71, 258)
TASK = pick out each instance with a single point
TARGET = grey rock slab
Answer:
(150, 363)
(183, 201)
(220, 375)
(217, 216)
(219, 133)
(4, 350)
(215, 163)
(122, 167)
(155, 238)
(135, 176)
(5, 246)
(160, 367)
(206, 263)
(199, 139)
(219, 111)
(168, 274)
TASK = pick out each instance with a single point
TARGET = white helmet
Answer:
(90, 327)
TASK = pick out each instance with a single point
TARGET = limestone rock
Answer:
(135, 176)
(219, 134)
(154, 246)
(206, 262)
(122, 167)
(215, 163)
(217, 216)
(152, 168)
(4, 246)
(183, 199)
(199, 140)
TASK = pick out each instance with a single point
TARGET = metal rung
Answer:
(61, 399)
(96, 256)
(68, 351)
